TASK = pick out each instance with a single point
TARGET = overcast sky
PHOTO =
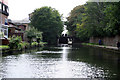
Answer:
(19, 9)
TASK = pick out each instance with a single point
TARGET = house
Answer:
(23, 24)
(13, 30)
(20, 26)
(8, 28)
(4, 21)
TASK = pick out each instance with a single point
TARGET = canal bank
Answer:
(6, 51)
(110, 48)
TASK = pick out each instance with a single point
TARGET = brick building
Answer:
(21, 27)
(13, 30)
(4, 13)
(22, 24)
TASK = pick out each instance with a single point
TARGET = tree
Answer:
(94, 19)
(98, 19)
(74, 22)
(113, 19)
(102, 19)
(74, 19)
(48, 20)
(33, 33)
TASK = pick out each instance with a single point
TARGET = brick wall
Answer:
(4, 41)
(27, 27)
(109, 41)
(3, 18)
(12, 30)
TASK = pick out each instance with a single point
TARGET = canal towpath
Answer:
(113, 48)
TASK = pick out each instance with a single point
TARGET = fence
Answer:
(17, 34)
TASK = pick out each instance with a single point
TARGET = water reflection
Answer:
(61, 62)
(65, 53)
(0, 65)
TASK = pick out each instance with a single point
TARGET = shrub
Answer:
(14, 42)
(4, 46)
(34, 43)
(23, 45)
(26, 44)
(20, 46)
(43, 43)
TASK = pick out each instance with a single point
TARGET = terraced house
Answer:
(4, 13)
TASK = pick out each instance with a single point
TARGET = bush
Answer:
(4, 46)
(23, 45)
(20, 46)
(43, 43)
(14, 42)
(26, 44)
(34, 43)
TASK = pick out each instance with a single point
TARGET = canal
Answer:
(62, 62)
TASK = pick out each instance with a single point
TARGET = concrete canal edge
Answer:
(109, 48)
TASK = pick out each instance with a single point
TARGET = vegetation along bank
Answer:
(95, 19)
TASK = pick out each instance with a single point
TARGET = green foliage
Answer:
(34, 43)
(33, 33)
(97, 19)
(102, 18)
(94, 44)
(113, 19)
(26, 44)
(23, 45)
(47, 20)
(4, 46)
(20, 46)
(43, 43)
(17, 43)
(90, 44)
(94, 19)
(74, 19)
(82, 33)
(14, 42)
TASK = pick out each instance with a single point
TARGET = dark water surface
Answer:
(62, 62)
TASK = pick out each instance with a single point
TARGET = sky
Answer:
(19, 9)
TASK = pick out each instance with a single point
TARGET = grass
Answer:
(4, 46)
(93, 44)
(90, 44)
(41, 43)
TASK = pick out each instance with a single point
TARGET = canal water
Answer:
(62, 62)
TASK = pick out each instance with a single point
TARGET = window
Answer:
(7, 10)
(16, 31)
(1, 30)
(0, 6)
(5, 32)
(3, 8)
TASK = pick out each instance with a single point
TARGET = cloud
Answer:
(19, 9)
